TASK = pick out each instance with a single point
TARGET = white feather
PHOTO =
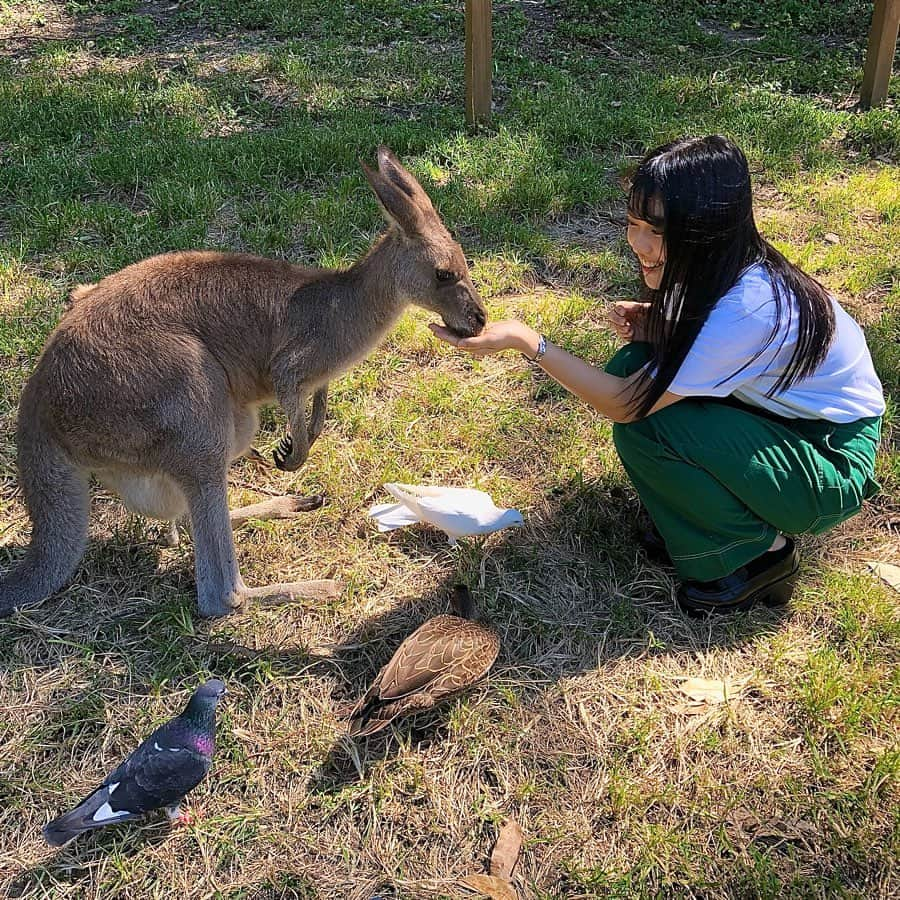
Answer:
(392, 515)
(105, 812)
(460, 512)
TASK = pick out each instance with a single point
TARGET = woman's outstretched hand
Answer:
(509, 334)
(628, 319)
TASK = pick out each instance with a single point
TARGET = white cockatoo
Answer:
(460, 512)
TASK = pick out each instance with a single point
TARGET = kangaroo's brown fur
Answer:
(79, 292)
(152, 379)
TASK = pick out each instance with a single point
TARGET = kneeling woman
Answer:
(746, 406)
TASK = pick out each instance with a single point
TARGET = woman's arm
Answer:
(608, 394)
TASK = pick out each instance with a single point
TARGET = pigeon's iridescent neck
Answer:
(204, 744)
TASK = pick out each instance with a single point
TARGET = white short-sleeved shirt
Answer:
(844, 388)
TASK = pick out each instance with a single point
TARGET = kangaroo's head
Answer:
(431, 270)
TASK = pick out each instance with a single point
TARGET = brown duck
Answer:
(441, 658)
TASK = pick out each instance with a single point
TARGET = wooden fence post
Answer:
(478, 61)
(880, 53)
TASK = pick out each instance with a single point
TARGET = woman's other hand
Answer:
(509, 334)
(628, 319)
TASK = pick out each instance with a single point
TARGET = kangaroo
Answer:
(152, 379)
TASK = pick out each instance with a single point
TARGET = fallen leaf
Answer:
(832, 238)
(490, 886)
(711, 690)
(690, 709)
(886, 572)
(506, 851)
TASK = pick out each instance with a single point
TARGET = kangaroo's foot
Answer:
(271, 595)
(293, 592)
(286, 507)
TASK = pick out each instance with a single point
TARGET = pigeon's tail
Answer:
(94, 812)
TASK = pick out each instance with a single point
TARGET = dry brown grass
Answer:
(581, 732)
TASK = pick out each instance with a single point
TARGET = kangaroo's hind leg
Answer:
(285, 507)
(219, 585)
(220, 589)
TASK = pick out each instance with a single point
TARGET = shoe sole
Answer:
(778, 593)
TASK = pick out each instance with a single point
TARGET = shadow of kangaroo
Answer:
(152, 380)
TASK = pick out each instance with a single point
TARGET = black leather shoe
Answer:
(768, 579)
(652, 542)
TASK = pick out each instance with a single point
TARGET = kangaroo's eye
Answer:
(444, 275)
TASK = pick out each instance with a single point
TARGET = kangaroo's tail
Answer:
(58, 501)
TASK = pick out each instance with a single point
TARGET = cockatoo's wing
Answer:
(392, 515)
(461, 513)
(407, 494)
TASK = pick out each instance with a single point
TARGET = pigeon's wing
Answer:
(405, 494)
(392, 515)
(452, 496)
(159, 773)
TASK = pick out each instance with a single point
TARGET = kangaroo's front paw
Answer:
(285, 457)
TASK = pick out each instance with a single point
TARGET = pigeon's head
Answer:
(210, 692)
(204, 700)
(201, 708)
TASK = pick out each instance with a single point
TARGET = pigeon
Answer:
(460, 512)
(441, 658)
(168, 764)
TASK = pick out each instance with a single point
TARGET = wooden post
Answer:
(478, 61)
(880, 53)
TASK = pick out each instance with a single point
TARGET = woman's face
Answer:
(646, 240)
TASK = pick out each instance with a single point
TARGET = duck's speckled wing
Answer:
(444, 656)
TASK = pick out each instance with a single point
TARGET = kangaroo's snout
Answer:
(478, 318)
(466, 315)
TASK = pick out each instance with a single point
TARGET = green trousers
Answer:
(720, 480)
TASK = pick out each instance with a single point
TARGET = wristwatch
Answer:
(541, 350)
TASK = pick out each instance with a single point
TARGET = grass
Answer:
(129, 128)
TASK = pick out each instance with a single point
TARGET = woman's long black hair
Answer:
(697, 192)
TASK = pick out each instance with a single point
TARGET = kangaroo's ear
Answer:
(401, 196)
